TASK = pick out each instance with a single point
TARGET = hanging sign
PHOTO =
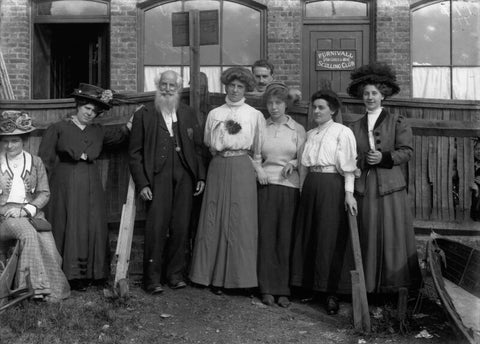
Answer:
(208, 28)
(335, 59)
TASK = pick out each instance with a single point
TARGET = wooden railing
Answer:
(439, 173)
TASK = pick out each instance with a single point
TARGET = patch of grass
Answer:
(77, 320)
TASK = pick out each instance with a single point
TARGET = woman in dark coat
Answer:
(69, 149)
(384, 144)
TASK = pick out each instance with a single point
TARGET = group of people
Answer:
(274, 197)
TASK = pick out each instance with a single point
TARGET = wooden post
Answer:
(361, 314)
(194, 25)
(5, 85)
(124, 243)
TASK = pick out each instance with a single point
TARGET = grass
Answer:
(77, 320)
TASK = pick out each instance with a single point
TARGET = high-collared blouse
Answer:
(249, 137)
(35, 193)
(332, 144)
(281, 146)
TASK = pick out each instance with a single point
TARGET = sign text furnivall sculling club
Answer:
(335, 59)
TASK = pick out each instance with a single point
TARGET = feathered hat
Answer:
(94, 94)
(373, 74)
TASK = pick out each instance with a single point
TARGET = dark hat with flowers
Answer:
(375, 73)
(94, 94)
(13, 122)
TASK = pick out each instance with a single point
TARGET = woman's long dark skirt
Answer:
(387, 240)
(322, 254)
(277, 206)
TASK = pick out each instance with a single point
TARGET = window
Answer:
(335, 9)
(240, 41)
(49, 11)
(445, 49)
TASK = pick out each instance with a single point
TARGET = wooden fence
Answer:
(439, 173)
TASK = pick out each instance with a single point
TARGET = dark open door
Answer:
(68, 54)
(333, 38)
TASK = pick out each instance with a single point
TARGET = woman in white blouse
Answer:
(322, 257)
(225, 249)
(24, 191)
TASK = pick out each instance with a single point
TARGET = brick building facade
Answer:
(284, 25)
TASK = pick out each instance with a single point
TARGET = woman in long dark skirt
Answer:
(278, 195)
(77, 209)
(384, 144)
(322, 257)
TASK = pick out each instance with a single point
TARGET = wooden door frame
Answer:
(308, 22)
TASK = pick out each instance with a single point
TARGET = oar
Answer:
(361, 315)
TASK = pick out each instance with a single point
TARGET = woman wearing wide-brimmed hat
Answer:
(69, 149)
(24, 191)
(225, 250)
(384, 144)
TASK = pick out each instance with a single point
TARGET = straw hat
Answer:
(13, 122)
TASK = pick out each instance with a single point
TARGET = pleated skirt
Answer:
(322, 255)
(225, 249)
(387, 240)
(277, 205)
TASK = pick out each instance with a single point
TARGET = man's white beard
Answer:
(166, 103)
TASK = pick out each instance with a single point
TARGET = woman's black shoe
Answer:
(79, 284)
(216, 290)
(332, 305)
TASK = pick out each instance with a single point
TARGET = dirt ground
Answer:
(195, 315)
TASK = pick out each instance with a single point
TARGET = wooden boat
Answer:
(455, 269)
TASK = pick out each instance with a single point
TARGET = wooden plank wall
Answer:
(440, 171)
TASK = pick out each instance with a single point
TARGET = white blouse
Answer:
(332, 144)
(249, 137)
(16, 167)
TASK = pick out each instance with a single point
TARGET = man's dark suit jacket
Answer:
(148, 127)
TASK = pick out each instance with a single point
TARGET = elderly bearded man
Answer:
(167, 171)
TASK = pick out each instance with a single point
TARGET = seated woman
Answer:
(24, 191)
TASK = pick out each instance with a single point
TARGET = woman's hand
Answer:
(374, 157)
(351, 203)
(287, 170)
(15, 212)
(262, 177)
(146, 194)
(200, 187)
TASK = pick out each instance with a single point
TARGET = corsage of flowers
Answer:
(232, 126)
(106, 96)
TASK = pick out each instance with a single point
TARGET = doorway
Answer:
(65, 55)
(352, 40)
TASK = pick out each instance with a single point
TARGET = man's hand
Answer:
(146, 194)
(200, 187)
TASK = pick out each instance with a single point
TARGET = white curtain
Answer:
(466, 83)
(434, 82)
(431, 82)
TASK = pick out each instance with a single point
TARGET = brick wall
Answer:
(393, 39)
(284, 27)
(123, 45)
(15, 44)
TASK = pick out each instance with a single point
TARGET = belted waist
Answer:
(230, 153)
(323, 169)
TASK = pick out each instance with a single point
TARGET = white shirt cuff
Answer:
(349, 181)
(31, 208)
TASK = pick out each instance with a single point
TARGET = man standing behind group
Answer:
(263, 72)
(167, 171)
